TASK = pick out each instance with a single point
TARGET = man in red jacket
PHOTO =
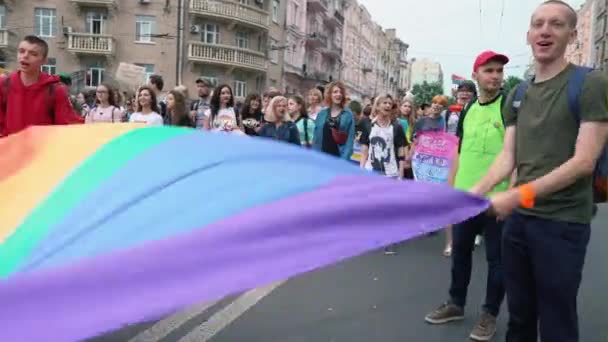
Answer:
(30, 97)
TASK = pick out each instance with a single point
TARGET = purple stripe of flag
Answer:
(346, 218)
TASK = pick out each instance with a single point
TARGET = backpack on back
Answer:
(574, 91)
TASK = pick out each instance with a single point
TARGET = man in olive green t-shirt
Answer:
(546, 235)
(481, 132)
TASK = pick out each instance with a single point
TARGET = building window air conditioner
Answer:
(145, 1)
(195, 29)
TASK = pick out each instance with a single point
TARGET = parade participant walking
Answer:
(147, 108)
(315, 103)
(278, 128)
(36, 98)
(362, 127)
(306, 126)
(383, 147)
(335, 124)
(156, 83)
(557, 126)
(200, 106)
(105, 109)
(481, 132)
(251, 114)
(221, 115)
(177, 109)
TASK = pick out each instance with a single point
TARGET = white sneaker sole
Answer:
(480, 338)
(445, 320)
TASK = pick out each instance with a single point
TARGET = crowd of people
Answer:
(541, 194)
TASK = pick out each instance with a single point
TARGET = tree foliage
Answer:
(424, 93)
(510, 83)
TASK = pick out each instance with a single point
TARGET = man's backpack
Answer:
(574, 91)
(6, 86)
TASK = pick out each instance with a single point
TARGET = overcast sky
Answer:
(453, 32)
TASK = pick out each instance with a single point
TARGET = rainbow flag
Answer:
(111, 224)
(457, 80)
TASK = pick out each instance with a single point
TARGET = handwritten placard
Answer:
(433, 155)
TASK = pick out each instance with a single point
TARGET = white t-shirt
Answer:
(108, 114)
(225, 120)
(152, 119)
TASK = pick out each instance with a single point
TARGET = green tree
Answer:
(424, 93)
(510, 83)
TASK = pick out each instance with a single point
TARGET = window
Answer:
(2, 16)
(275, 11)
(95, 76)
(294, 14)
(2, 62)
(144, 28)
(51, 67)
(240, 89)
(242, 40)
(95, 22)
(149, 70)
(213, 81)
(211, 34)
(244, 2)
(45, 24)
(273, 54)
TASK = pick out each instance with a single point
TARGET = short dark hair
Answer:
(572, 17)
(355, 107)
(157, 80)
(38, 41)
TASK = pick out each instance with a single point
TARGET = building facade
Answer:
(92, 37)
(600, 33)
(582, 52)
(292, 45)
(425, 70)
(225, 41)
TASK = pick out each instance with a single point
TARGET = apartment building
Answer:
(91, 37)
(225, 41)
(296, 39)
(426, 70)
(583, 50)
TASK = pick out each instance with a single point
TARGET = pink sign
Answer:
(433, 156)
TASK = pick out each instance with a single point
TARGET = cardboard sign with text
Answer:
(433, 156)
(131, 75)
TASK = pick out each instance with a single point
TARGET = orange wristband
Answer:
(527, 195)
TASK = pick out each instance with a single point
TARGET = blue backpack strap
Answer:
(575, 89)
(519, 95)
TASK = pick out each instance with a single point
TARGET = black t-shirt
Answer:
(252, 121)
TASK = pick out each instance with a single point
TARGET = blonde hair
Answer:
(182, 89)
(378, 102)
(270, 114)
(316, 92)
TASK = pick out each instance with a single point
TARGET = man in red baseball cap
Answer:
(481, 131)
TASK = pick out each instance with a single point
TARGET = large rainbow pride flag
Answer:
(110, 224)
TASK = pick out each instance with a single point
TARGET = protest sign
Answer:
(433, 156)
(131, 75)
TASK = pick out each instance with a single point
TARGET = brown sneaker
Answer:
(485, 328)
(446, 313)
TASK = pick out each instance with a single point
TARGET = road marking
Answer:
(231, 312)
(164, 327)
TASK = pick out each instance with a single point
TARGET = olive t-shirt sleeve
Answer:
(508, 114)
(594, 97)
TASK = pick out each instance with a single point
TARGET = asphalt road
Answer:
(375, 297)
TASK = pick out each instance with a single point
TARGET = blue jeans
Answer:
(462, 260)
(543, 262)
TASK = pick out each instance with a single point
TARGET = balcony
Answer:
(334, 20)
(94, 3)
(231, 11)
(90, 43)
(316, 40)
(317, 5)
(230, 56)
(3, 38)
